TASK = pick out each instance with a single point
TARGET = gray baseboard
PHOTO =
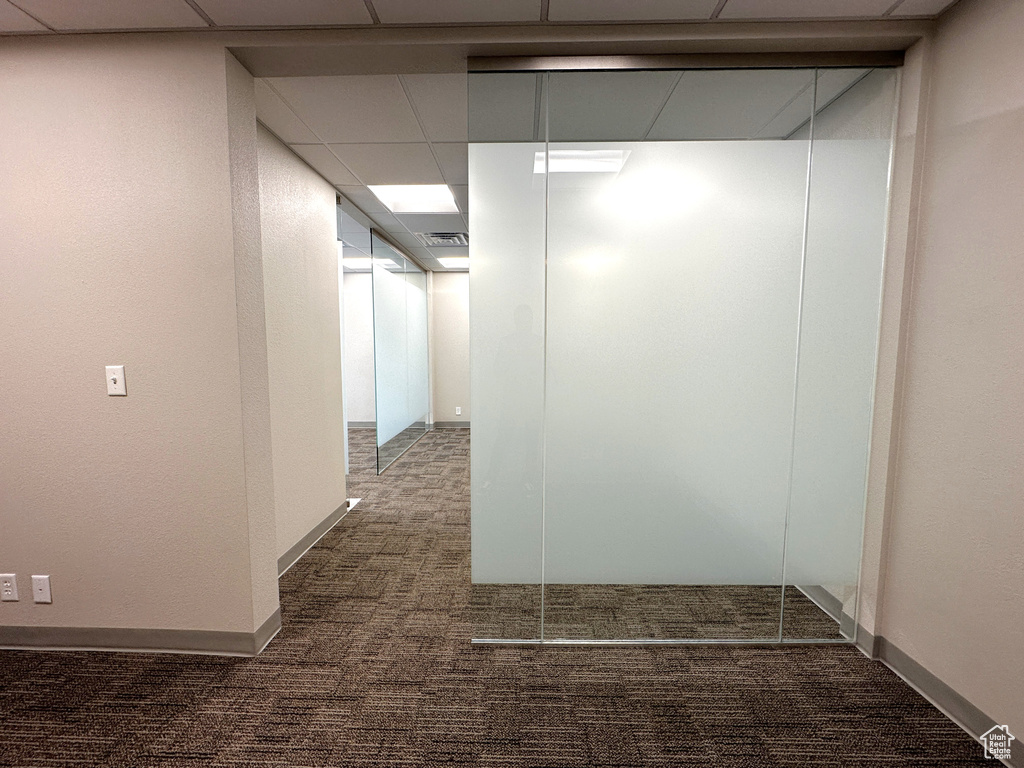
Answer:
(946, 700)
(303, 545)
(451, 425)
(831, 605)
(199, 641)
(362, 425)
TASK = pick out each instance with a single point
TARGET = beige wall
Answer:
(449, 345)
(954, 585)
(300, 273)
(130, 235)
(358, 308)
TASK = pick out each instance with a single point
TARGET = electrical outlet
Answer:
(8, 588)
(41, 589)
(458, 410)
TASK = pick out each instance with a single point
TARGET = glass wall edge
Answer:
(800, 60)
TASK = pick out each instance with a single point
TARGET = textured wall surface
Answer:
(954, 596)
(119, 247)
(300, 272)
(449, 345)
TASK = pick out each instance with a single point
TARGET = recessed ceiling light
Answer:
(455, 262)
(416, 198)
(582, 161)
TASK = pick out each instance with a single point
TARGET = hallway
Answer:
(373, 668)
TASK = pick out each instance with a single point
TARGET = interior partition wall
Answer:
(400, 356)
(674, 310)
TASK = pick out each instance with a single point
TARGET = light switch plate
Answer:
(8, 588)
(41, 589)
(116, 386)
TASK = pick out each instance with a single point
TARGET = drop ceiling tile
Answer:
(832, 82)
(390, 163)
(502, 107)
(286, 13)
(454, 161)
(461, 193)
(696, 109)
(407, 239)
(363, 198)
(449, 252)
(114, 14)
(387, 222)
(455, 11)
(803, 9)
(605, 106)
(432, 222)
(276, 115)
(15, 20)
(922, 7)
(630, 10)
(440, 102)
(326, 164)
(351, 108)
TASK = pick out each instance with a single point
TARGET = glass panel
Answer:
(839, 327)
(399, 351)
(507, 356)
(672, 309)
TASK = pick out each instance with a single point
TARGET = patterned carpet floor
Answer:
(373, 668)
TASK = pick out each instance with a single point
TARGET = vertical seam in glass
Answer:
(796, 362)
(544, 391)
(878, 341)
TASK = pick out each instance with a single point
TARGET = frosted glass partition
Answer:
(674, 326)
(847, 206)
(401, 377)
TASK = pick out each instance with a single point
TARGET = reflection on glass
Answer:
(401, 377)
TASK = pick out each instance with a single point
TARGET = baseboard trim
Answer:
(195, 641)
(942, 696)
(303, 545)
(451, 425)
(362, 425)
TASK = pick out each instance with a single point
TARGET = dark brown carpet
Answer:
(374, 668)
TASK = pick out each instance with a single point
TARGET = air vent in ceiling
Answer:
(441, 239)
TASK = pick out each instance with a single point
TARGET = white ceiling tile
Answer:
(605, 106)
(630, 10)
(276, 115)
(387, 222)
(502, 107)
(456, 11)
(440, 102)
(461, 193)
(922, 7)
(286, 13)
(363, 198)
(696, 109)
(15, 20)
(432, 222)
(449, 252)
(390, 163)
(326, 164)
(114, 14)
(803, 9)
(407, 239)
(351, 109)
(454, 161)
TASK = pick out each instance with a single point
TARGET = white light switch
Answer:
(8, 588)
(458, 410)
(115, 380)
(41, 589)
